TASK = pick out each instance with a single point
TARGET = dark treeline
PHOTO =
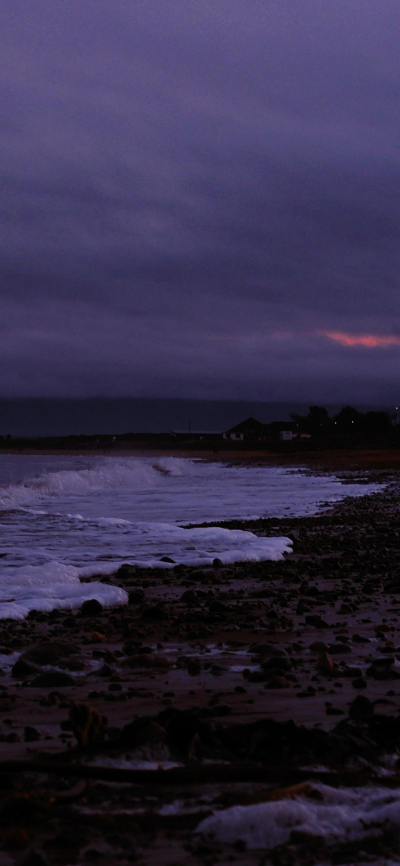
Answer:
(348, 420)
(318, 430)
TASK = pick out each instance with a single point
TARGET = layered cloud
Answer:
(180, 170)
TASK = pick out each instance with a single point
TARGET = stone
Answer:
(319, 646)
(222, 710)
(393, 587)
(267, 649)
(359, 683)
(91, 607)
(254, 676)
(218, 607)
(360, 708)
(143, 660)
(15, 839)
(279, 662)
(31, 735)
(136, 596)
(154, 612)
(143, 731)
(34, 858)
(22, 669)
(126, 570)
(382, 628)
(193, 668)
(216, 670)
(189, 597)
(49, 653)
(316, 620)
(53, 679)
(381, 669)
(339, 649)
(104, 671)
(277, 683)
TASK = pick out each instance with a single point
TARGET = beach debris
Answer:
(325, 663)
(86, 723)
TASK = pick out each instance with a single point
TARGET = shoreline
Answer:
(343, 459)
(183, 657)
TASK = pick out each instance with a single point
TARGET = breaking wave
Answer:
(64, 518)
(106, 474)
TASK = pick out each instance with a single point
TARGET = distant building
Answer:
(253, 429)
(248, 429)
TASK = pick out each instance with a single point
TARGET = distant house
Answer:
(248, 429)
(286, 435)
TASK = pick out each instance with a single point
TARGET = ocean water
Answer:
(62, 518)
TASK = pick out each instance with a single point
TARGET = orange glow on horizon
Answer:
(370, 341)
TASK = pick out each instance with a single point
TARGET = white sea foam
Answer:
(92, 514)
(48, 587)
(340, 813)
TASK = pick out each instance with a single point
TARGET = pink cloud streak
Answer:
(371, 341)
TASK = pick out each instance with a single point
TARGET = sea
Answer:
(66, 518)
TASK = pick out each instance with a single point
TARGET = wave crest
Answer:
(106, 474)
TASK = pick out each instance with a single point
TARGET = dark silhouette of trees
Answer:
(348, 421)
(347, 418)
(318, 417)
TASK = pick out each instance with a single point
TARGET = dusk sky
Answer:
(200, 199)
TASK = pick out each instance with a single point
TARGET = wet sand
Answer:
(247, 679)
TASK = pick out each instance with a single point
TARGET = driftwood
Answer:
(197, 775)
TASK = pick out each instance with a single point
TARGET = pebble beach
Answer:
(244, 713)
